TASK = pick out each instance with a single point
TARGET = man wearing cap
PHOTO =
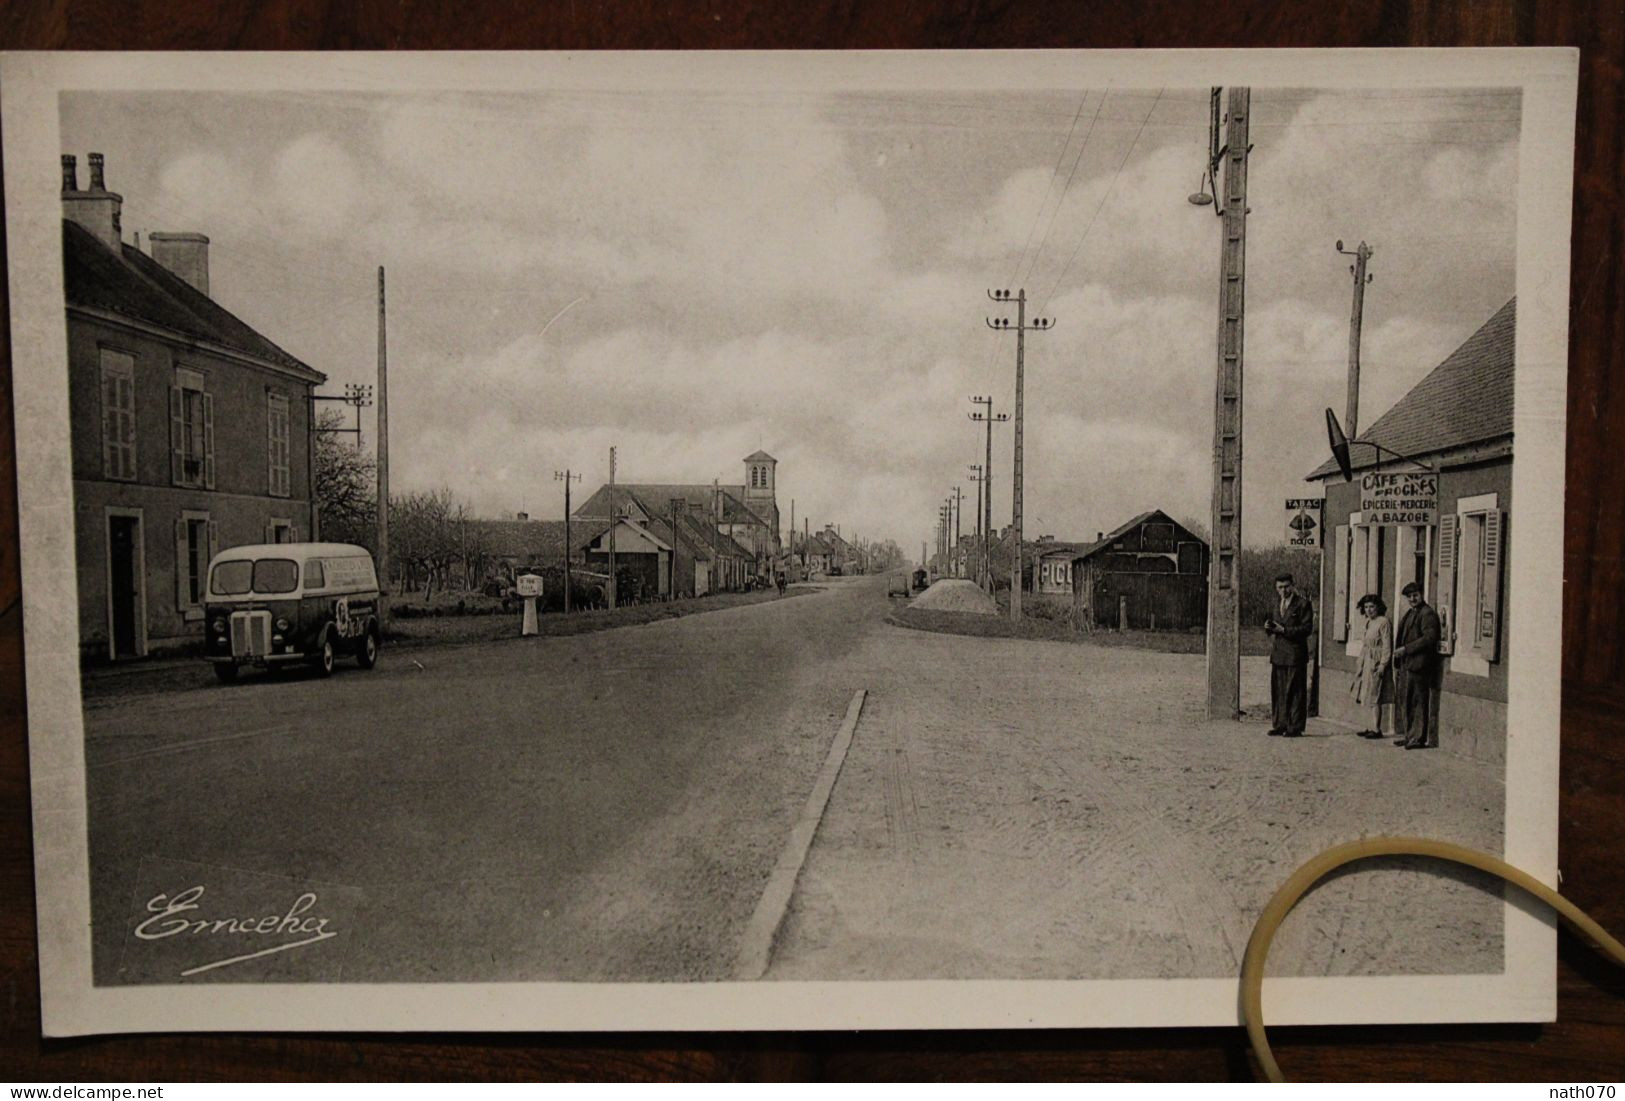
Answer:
(1416, 660)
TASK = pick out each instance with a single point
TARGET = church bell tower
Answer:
(760, 494)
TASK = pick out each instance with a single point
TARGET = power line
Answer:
(1103, 197)
(1033, 262)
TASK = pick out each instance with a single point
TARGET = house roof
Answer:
(533, 540)
(1117, 533)
(1465, 400)
(134, 285)
(655, 498)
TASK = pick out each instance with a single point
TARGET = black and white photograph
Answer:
(795, 541)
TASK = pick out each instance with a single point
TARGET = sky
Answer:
(691, 277)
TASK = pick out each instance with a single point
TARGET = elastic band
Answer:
(1299, 882)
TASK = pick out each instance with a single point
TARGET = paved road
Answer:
(605, 806)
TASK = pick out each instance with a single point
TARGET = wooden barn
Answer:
(1150, 574)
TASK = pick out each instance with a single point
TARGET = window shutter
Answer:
(214, 539)
(127, 425)
(110, 455)
(1487, 632)
(180, 566)
(177, 437)
(1445, 596)
(270, 532)
(270, 448)
(208, 441)
(1340, 583)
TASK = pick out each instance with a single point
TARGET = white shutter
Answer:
(208, 441)
(1487, 632)
(177, 437)
(1445, 595)
(1340, 583)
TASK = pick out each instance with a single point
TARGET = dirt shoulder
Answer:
(1254, 643)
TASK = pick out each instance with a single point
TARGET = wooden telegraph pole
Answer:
(1223, 590)
(987, 485)
(1357, 269)
(1021, 328)
(383, 454)
(566, 477)
(614, 522)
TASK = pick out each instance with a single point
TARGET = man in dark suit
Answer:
(1416, 662)
(1290, 628)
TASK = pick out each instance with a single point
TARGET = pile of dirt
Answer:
(955, 595)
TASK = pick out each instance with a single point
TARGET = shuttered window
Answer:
(191, 431)
(196, 541)
(1340, 583)
(277, 443)
(118, 415)
(1445, 596)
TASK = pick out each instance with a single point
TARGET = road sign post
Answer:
(529, 588)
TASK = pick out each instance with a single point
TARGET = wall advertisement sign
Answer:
(1399, 498)
(1303, 522)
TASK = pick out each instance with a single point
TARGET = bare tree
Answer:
(346, 486)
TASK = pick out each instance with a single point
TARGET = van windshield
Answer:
(268, 575)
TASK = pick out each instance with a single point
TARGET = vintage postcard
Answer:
(773, 541)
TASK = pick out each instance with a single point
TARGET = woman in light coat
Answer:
(1373, 680)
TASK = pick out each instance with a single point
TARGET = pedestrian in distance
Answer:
(778, 579)
(1372, 685)
(1416, 663)
(1289, 628)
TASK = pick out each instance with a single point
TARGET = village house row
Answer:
(192, 432)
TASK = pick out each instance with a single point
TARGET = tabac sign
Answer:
(1303, 522)
(1399, 498)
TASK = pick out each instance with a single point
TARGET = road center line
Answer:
(756, 947)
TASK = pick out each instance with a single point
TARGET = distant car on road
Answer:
(922, 580)
(269, 604)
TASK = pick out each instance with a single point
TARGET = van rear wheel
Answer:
(366, 655)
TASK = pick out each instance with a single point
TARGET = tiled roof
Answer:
(1466, 399)
(134, 285)
(532, 540)
(656, 498)
(1182, 533)
(759, 456)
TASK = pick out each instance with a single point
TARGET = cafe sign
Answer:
(1388, 498)
(1303, 522)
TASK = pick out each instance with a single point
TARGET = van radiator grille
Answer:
(250, 634)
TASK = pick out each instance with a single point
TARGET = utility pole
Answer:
(987, 484)
(716, 521)
(978, 477)
(614, 522)
(1021, 328)
(678, 504)
(383, 452)
(1356, 269)
(1223, 590)
(790, 564)
(566, 477)
(959, 509)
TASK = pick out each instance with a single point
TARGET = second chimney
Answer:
(185, 254)
(182, 254)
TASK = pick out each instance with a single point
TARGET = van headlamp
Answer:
(219, 626)
(281, 624)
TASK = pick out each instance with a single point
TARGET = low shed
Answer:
(1149, 574)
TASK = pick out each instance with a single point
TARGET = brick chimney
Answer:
(96, 209)
(184, 254)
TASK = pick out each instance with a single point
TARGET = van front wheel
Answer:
(325, 657)
(366, 655)
(226, 672)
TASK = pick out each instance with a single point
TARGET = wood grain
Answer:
(1587, 1042)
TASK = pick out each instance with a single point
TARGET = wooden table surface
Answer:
(1588, 1041)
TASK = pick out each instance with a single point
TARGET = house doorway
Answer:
(124, 586)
